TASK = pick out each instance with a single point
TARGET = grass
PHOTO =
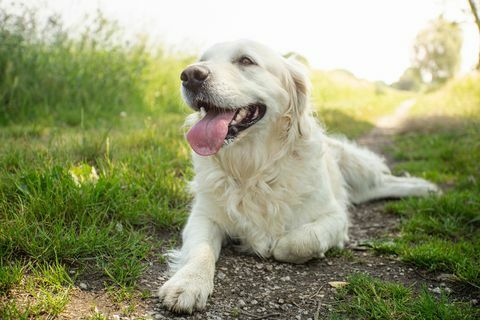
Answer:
(368, 298)
(68, 107)
(350, 106)
(442, 234)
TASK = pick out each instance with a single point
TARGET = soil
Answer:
(247, 287)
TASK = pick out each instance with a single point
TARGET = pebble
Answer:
(254, 302)
(474, 301)
(116, 317)
(241, 303)
(436, 290)
(269, 267)
(281, 301)
(221, 275)
(83, 286)
(286, 278)
(259, 266)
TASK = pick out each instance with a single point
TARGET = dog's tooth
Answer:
(255, 114)
(242, 113)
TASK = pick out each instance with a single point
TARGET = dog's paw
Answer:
(295, 248)
(186, 292)
(427, 188)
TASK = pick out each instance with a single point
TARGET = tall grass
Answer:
(50, 76)
(70, 103)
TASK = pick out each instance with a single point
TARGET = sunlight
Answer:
(372, 39)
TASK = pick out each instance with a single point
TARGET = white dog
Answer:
(266, 173)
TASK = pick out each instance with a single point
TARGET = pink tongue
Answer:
(207, 136)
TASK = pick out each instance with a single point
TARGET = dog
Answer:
(266, 173)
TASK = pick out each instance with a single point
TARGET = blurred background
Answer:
(93, 162)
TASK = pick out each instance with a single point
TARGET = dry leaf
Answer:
(337, 284)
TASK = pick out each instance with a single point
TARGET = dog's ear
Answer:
(298, 87)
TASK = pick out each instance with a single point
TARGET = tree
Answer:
(410, 80)
(436, 52)
(475, 7)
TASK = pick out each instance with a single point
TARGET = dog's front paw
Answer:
(295, 248)
(186, 292)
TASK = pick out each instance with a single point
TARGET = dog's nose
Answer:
(194, 76)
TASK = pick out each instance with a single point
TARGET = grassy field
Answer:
(93, 164)
(441, 142)
(443, 145)
(350, 106)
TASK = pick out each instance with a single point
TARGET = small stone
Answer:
(221, 275)
(269, 267)
(254, 302)
(329, 263)
(448, 290)
(83, 286)
(241, 303)
(436, 290)
(286, 278)
(281, 301)
(259, 266)
(474, 301)
(116, 317)
(298, 317)
(369, 265)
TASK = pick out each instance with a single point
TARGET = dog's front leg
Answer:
(313, 239)
(188, 289)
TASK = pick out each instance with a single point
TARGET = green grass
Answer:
(67, 106)
(369, 298)
(350, 106)
(442, 234)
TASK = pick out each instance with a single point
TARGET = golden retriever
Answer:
(266, 173)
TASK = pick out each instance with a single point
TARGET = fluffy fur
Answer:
(282, 188)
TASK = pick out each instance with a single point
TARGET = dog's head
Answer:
(241, 89)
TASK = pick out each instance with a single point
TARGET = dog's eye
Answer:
(246, 61)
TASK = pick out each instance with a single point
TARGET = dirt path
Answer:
(247, 287)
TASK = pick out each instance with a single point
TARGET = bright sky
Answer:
(371, 38)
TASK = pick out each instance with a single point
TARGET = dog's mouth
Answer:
(220, 126)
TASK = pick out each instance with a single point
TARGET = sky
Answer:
(371, 38)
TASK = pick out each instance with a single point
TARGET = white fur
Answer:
(282, 187)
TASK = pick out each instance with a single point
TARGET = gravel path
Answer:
(247, 287)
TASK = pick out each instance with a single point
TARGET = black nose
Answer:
(194, 76)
